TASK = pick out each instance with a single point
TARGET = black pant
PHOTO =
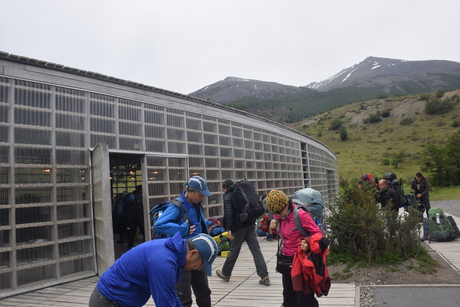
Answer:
(198, 280)
(98, 300)
(245, 233)
(293, 298)
(134, 223)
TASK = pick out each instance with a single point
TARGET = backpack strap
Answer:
(178, 202)
(298, 223)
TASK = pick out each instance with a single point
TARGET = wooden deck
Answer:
(243, 289)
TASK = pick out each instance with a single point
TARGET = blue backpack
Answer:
(158, 210)
(311, 201)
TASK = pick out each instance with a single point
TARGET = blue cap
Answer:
(207, 247)
(198, 183)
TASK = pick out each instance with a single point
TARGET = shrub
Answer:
(424, 97)
(386, 113)
(454, 124)
(361, 231)
(335, 124)
(398, 159)
(373, 118)
(386, 162)
(440, 93)
(406, 121)
(437, 106)
(343, 134)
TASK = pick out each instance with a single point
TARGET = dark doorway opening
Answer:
(125, 176)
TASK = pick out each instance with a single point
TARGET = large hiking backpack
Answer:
(247, 201)
(413, 202)
(397, 186)
(311, 201)
(440, 226)
(158, 210)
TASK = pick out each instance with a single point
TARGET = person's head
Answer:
(277, 202)
(419, 177)
(139, 188)
(383, 184)
(197, 189)
(226, 185)
(201, 252)
(367, 177)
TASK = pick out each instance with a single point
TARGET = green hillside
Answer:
(378, 130)
(290, 107)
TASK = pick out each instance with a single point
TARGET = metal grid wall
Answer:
(46, 130)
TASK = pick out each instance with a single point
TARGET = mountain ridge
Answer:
(371, 78)
(373, 67)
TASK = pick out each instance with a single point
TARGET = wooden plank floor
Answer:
(243, 289)
(450, 251)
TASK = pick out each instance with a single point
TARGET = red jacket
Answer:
(309, 272)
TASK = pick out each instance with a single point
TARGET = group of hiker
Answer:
(181, 259)
(389, 191)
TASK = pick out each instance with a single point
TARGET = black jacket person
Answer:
(389, 195)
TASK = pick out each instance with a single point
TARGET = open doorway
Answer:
(127, 201)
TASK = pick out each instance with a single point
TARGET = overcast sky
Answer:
(185, 45)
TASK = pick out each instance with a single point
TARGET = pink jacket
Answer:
(289, 232)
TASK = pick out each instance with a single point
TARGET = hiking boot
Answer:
(222, 276)
(265, 281)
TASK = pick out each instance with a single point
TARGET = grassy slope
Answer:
(369, 144)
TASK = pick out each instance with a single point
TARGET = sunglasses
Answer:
(281, 210)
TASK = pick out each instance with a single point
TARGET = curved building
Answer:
(71, 140)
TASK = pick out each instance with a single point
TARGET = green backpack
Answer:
(440, 227)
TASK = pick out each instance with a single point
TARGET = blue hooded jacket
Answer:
(170, 222)
(151, 268)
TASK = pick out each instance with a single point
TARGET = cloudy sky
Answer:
(184, 45)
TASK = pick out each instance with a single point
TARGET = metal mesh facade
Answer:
(51, 117)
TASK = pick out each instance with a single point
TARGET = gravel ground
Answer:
(451, 207)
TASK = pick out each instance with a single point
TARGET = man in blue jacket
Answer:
(153, 268)
(188, 219)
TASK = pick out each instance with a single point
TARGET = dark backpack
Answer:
(311, 201)
(158, 210)
(247, 201)
(397, 186)
(440, 226)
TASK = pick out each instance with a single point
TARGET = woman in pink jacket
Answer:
(283, 224)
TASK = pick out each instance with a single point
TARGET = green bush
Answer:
(361, 231)
(424, 97)
(437, 106)
(443, 163)
(406, 121)
(343, 134)
(373, 118)
(386, 113)
(335, 124)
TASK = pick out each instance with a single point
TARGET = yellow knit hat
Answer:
(276, 201)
